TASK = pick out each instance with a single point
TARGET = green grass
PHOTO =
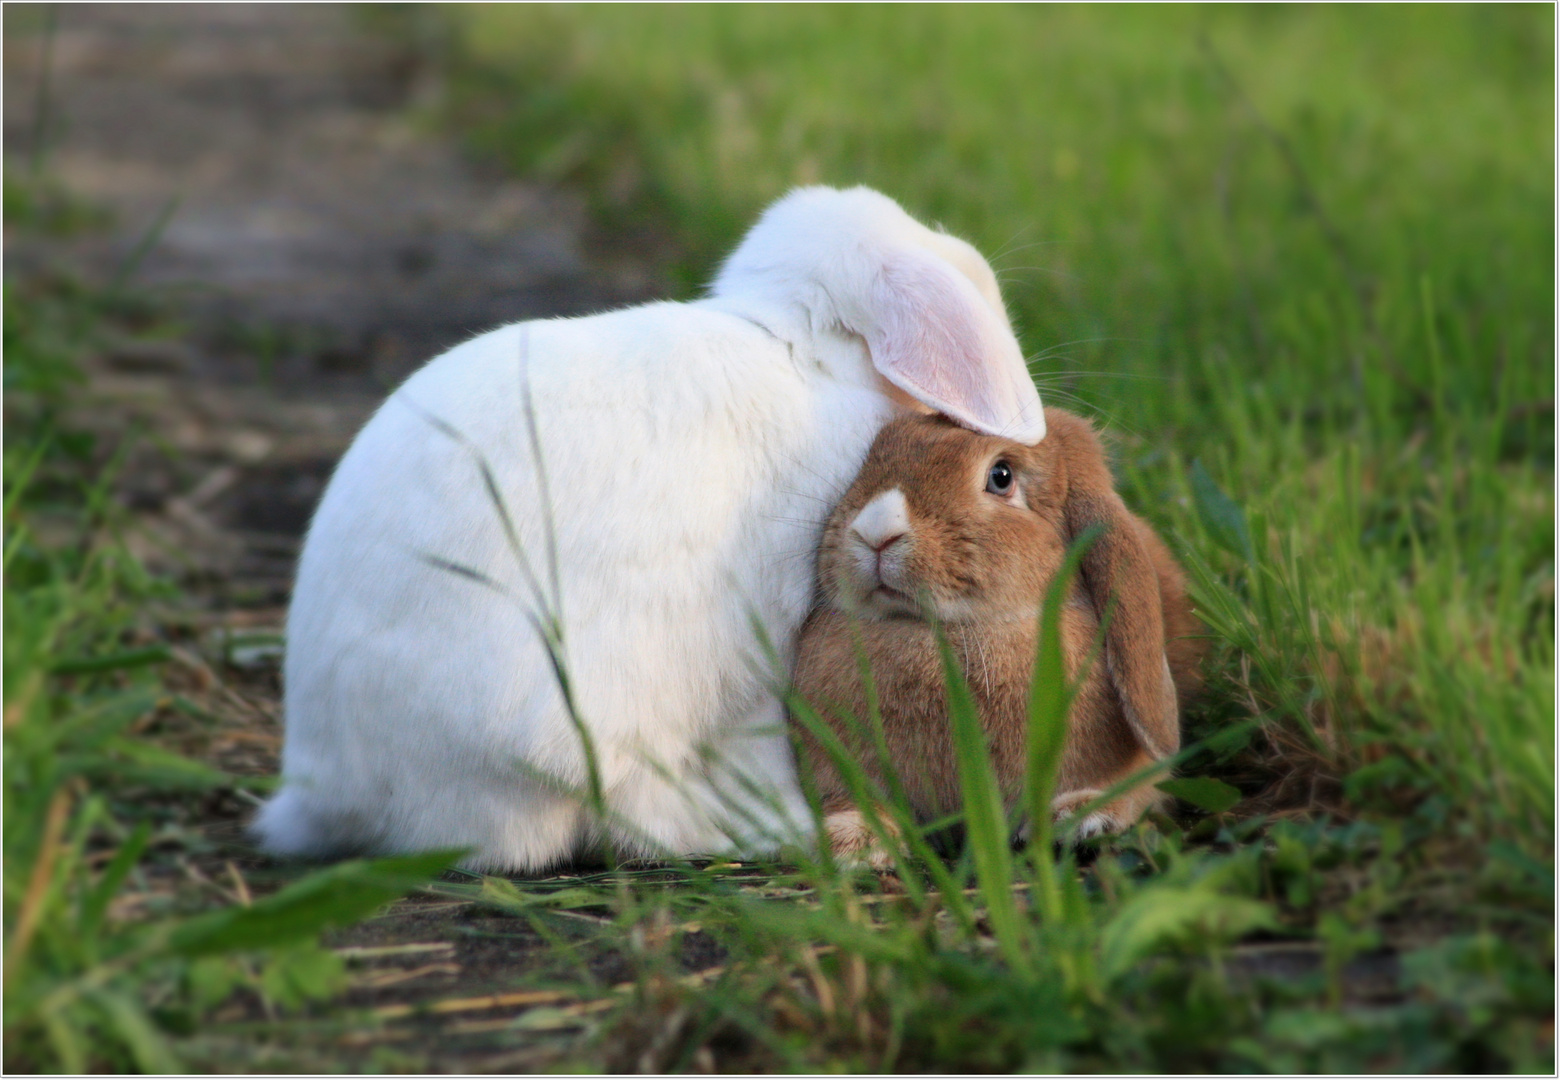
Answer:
(98, 811)
(1299, 262)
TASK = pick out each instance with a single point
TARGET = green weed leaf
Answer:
(505, 895)
(133, 762)
(210, 979)
(1221, 515)
(115, 661)
(296, 976)
(336, 896)
(1203, 792)
(1163, 916)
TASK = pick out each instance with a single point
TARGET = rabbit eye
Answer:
(999, 481)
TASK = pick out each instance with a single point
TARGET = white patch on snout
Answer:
(879, 547)
(883, 519)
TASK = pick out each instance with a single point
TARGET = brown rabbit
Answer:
(978, 526)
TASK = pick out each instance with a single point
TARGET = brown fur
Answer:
(984, 563)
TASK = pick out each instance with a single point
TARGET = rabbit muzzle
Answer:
(876, 575)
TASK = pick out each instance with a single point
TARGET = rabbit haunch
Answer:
(691, 453)
(978, 527)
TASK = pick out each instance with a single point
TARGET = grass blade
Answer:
(335, 896)
(985, 821)
(1050, 699)
(146, 1044)
(95, 903)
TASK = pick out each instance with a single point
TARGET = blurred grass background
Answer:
(1297, 260)
(1311, 247)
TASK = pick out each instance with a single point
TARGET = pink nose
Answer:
(887, 542)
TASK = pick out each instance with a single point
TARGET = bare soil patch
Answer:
(264, 179)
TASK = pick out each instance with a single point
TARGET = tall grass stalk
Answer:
(1051, 693)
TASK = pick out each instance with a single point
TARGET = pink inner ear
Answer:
(936, 339)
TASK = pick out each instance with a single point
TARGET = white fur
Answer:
(926, 302)
(692, 452)
(885, 519)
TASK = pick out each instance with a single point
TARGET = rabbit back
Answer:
(422, 710)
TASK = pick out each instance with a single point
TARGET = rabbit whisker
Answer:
(804, 553)
(838, 487)
(788, 520)
(1012, 245)
(1065, 395)
(1117, 375)
(985, 658)
(1008, 272)
(1025, 247)
(1048, 350)
(793, 493)
(1019, 275)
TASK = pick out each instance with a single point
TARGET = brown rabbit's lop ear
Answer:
(1123, 581)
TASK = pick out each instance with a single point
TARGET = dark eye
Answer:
(999, 481)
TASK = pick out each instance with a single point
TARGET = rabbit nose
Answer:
(883, 520)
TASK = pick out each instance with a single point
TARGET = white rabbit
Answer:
(691, 453)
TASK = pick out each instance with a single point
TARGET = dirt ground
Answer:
(266, 178)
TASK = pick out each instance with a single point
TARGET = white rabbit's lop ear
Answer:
(927, 304)
(932, 334)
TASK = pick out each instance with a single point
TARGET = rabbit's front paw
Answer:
(1098, 823)
(853, 844)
